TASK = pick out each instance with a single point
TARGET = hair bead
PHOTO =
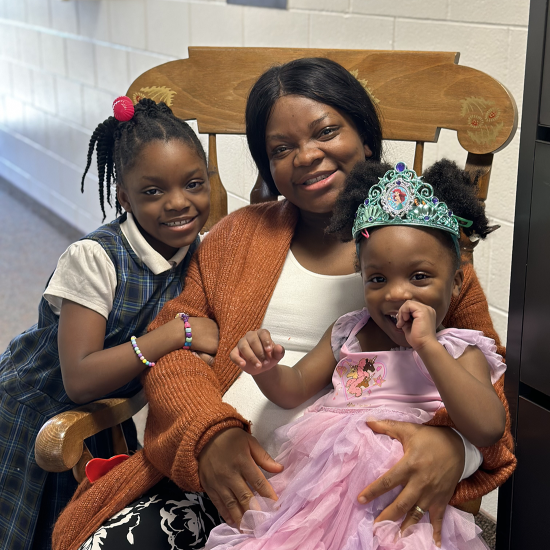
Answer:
(123, 108)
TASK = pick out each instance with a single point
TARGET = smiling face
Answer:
(400, 263)
(312, 147)
(168, 192)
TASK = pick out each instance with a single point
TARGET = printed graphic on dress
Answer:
(360, 379)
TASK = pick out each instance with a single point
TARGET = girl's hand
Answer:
(256, 352)
(428, 472)
(205, 334)
(208, 359)
(417, 322)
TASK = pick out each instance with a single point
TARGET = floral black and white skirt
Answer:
(164, 518)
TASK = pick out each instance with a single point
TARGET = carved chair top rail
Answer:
(417, 93)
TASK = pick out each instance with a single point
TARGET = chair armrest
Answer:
(60, 442)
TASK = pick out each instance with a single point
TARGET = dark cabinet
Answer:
(533, 452)
(544, 115)
(524, 506)
(535, 352)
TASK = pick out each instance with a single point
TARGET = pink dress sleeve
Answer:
(456, 341)
(343, 328)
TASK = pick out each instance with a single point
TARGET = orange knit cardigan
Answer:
(231, 279)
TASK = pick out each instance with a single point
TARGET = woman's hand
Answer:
(429, 472)
(256, 353)
(229, 473)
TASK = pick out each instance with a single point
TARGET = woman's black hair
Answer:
(451, 184)
(119, 143)
(318, 79)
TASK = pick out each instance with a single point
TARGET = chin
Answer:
(321, 209)
(398, 338)
(403, 344)
(181, 244)
(319, 205)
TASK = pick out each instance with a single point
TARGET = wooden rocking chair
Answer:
(417, 94)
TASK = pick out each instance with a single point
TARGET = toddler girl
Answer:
(104, 292)
(391, 360)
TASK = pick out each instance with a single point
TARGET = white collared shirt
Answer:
(86, 275)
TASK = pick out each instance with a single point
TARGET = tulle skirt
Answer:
(330, 456)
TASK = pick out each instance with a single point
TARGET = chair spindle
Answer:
(480, 164)
(218, 194)
(418, 157)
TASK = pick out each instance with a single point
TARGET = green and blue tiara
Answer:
(402, 198)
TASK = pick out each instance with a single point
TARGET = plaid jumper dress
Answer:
(31, 392)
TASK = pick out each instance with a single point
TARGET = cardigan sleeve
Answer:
(184, 393)
(231, 280)
(470, 310)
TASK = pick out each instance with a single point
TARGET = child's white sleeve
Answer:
(86, 275)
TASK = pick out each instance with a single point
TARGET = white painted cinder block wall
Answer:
(63, 62)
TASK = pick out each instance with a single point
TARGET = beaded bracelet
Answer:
(139, 354)
(188, 336)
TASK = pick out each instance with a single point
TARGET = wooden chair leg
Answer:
(120, 446)
(79, 470)
(471, 506)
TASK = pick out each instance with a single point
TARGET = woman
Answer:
(308, 123)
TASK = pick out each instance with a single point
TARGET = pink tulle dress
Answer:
(330, 455)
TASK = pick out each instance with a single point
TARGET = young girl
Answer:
(105, 291)
(391, 360)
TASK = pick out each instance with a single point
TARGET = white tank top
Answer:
(304, 304)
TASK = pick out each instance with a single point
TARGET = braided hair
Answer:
(118, 143)
(451, 184)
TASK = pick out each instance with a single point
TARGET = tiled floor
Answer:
(31, 241)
